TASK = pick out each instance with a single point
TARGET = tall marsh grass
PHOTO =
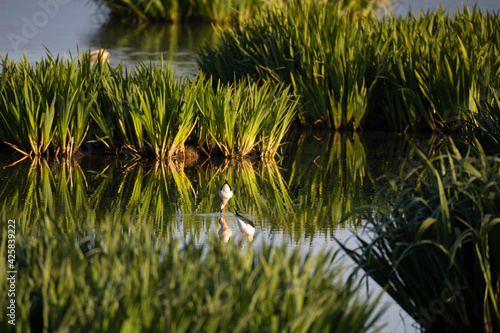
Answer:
(415, 72)
(148, 109)
(115, 275)
(58, 104)
(218, 11)
(47, 106)
(243, 118)
(434, 244)
(176, 10)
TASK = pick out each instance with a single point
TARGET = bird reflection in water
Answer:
(244, 224)
(224, 231)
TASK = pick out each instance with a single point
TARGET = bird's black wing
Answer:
(247, 221)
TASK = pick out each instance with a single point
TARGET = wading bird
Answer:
(224, 231)
(225, 194)
(246, 226)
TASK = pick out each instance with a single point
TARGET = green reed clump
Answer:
(175, 10)
(351, 71)
(435, 248)
(435, 66)
(239, 119)
(148, 108)
(46, 107)
(116, 276)
(117, 118)
(223, 10)
(146, 111)
(304, 45)
(219, 11)
(164, 10)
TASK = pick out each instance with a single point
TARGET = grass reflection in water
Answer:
(319, 179)
(125, 214)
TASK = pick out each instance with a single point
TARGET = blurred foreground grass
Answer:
(115, 275)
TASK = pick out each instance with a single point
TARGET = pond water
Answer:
(298, 200)
(31, 28)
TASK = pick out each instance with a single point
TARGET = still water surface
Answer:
(29, 28)
(298, 200)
